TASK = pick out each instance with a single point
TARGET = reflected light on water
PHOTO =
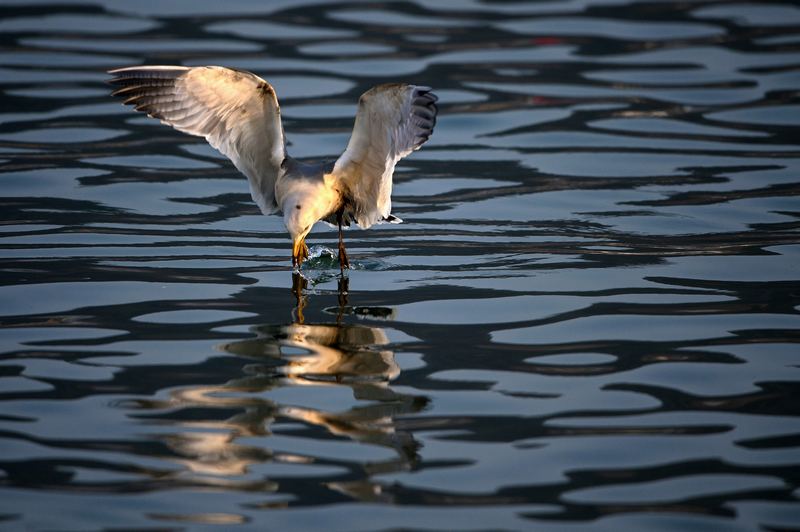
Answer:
(227, 453)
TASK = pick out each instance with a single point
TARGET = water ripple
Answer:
(589, 319)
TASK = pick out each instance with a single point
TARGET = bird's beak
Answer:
(299, 250)
(297, 247)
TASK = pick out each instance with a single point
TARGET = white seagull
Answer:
(238, 114)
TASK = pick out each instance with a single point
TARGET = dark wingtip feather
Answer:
(134, 84)
(392, 219)
(426, 94)
(149, 75)
(425, 111)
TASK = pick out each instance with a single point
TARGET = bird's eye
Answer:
(298, 207)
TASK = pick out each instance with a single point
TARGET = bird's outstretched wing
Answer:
(392, 121)
(236, 111)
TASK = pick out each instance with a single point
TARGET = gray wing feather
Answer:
(392, 121)
(237, 112)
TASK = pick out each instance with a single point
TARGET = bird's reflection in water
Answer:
(290, 355)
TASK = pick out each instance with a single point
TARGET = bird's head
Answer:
(299, 215)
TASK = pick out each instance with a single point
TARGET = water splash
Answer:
(321, 258)
(325, 258)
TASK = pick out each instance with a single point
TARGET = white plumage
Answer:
(238, 114)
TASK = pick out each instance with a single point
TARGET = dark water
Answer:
(589, 320)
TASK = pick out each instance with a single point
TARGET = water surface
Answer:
(589, 319)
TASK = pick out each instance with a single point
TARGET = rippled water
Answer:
(589, 319)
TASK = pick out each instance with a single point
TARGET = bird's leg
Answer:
(343, 262)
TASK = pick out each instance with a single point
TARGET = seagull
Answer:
(238, 114)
